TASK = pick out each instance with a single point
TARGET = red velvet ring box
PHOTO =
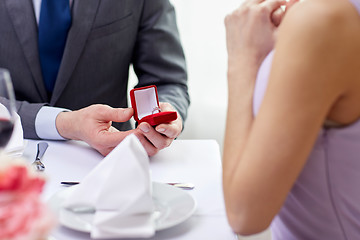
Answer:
(145, 103)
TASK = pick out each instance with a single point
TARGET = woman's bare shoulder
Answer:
(321, 28)
(321, 39)
(321, 18)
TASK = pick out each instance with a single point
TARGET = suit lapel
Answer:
(83, 16)
(23, 18)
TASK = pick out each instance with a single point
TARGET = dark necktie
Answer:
(54, 24)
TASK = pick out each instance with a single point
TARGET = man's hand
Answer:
(93, 126)
(155, 139)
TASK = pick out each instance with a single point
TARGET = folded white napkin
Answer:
(119, 188)
(15, 145)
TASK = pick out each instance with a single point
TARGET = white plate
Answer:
(172, 206)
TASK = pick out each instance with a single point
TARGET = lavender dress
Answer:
(324, 202)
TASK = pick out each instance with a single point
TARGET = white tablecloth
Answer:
(195, 161)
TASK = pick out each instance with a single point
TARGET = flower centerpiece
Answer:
(23, 216)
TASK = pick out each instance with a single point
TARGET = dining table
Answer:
(184, 161)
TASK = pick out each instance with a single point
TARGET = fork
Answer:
(37, 164)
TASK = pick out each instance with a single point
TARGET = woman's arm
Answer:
(245, 54)
(264, 156)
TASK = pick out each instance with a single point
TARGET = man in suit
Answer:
(103, 39)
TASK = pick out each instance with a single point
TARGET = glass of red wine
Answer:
(7, 108)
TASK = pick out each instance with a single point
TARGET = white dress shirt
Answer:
(45, 119)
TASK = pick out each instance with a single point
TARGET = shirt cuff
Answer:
(45, 124)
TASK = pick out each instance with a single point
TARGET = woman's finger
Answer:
(277, 16)
(273, 5)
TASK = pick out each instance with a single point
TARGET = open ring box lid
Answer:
(145, 103)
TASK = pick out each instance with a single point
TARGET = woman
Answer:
(292, 141)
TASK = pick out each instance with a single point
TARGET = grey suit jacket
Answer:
(106, 36)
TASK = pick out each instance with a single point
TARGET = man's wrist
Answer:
(45, 125)
(64, 125)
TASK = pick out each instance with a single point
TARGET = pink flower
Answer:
(15, 178)
(22, 214)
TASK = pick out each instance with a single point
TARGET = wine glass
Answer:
(7, 108)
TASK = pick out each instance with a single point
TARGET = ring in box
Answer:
(145, 103)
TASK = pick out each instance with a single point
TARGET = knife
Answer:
(185, 186)
(41, 148)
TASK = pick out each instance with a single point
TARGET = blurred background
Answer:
(202, 33)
